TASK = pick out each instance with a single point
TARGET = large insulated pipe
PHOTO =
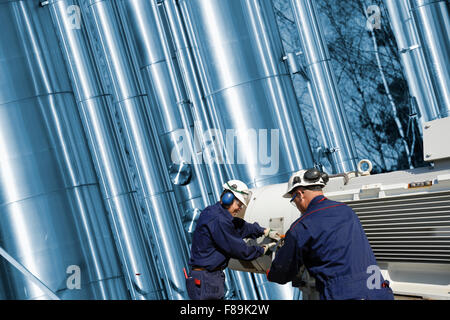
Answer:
(165, 227)
(249, 93)
(189, 73)
(97, 115)
(248, 89)
(412, 59)
(335, 131)
(52, 218)
(432, 19)
(244, 288)
(172, 114)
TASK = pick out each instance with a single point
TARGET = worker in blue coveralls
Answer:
(329, 241)
(218, 237)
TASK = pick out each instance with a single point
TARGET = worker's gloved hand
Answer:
(268, 246)
(272, 234)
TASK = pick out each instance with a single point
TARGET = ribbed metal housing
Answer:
(413, 228)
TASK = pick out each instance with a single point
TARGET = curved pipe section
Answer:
(52, 218)
(97, 114)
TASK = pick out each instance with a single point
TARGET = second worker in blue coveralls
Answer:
(329, 240)
(218, 237)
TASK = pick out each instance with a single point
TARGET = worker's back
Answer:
(204, 252)
(337, 252)
(217, 238)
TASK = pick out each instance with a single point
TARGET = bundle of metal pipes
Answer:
(118, 123)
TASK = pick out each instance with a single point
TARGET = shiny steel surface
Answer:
(171, 111)
(165, 232)
(239, 285)
(238, 50)
(51, 211)
(243, 284)
(412, 58)
(42, 286)
(432, 19)
(192, 82)
(246, 86)
(97, 113)
(334, 126)
(94, 171)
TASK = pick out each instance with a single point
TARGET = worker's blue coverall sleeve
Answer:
(248, 230)
(228, 240)
(289, 258)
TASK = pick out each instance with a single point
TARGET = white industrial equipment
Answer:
(405, 214)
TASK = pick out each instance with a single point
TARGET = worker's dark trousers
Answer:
(205, 285)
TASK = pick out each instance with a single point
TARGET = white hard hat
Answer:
(305, 178)
(239, 189)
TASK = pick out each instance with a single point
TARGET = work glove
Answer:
(267, 246)
(272, 234)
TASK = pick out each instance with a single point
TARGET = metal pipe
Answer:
(412, 59)
(244, 34)
(243, 283)
(163, 78)
(432, 19)
(52, 217)
(247, 87)
(331, 114)
(96, 110)
(172, 111)
(185, 58)
(165, 228)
